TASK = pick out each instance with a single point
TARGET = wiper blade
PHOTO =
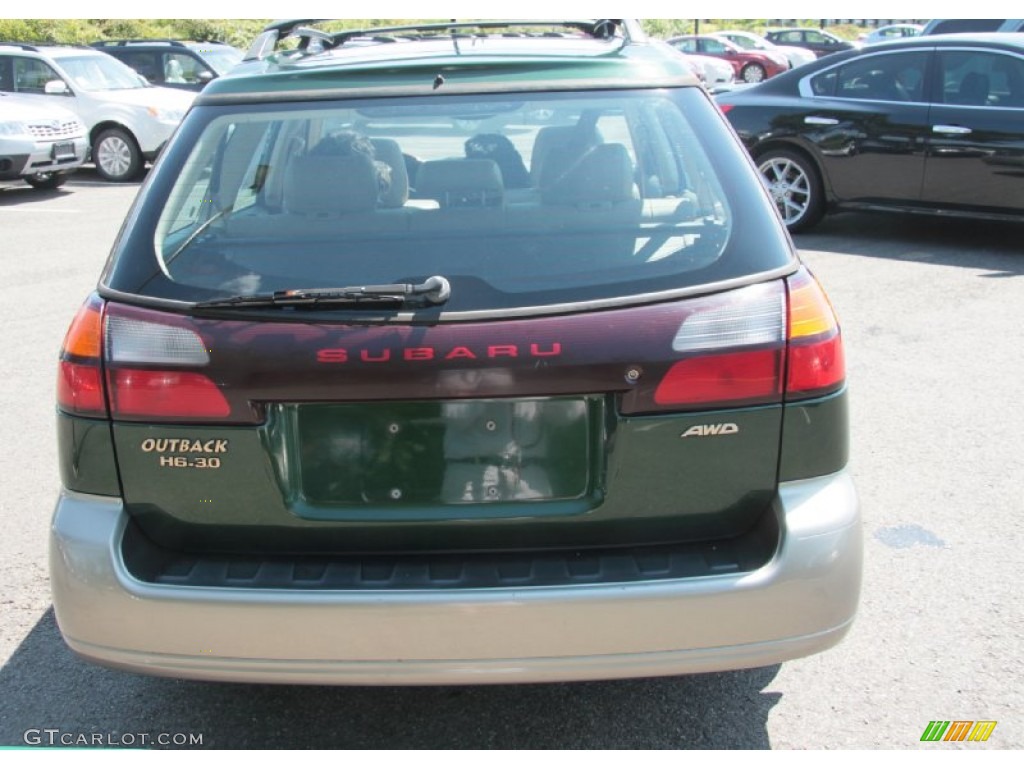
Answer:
(431, 292)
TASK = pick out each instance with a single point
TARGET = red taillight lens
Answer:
(725, 108)
(816, 367)
(151, 369)
(79, 378)
(728, 378)
(165, 394)
(80, 389)
(816, 364)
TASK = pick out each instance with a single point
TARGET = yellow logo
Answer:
(959, 730)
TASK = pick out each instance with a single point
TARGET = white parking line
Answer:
(96, 184)
(20, 209)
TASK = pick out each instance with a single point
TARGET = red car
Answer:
(751, 66)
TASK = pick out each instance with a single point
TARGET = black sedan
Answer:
(927, 125)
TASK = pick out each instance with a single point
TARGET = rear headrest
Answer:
(388, 151)
(559, 146)
(461, 183)
(500, 149)
(603, 175)
(330, 185)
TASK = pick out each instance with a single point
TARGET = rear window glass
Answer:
(516, 201)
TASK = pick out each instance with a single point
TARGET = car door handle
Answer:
(951, 130)
(812, 120)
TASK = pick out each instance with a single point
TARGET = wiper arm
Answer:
(197, 232)
(432, 291)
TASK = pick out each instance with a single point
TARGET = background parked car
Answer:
(39, 143)
(890, 32)
(819, 41)
(188, 65)
(749, 41)
(748, 66)
(949, 26)
(924, 124)
(128, 120)
(714, 73)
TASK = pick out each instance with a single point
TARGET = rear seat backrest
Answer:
(461, 183)
(325, 185)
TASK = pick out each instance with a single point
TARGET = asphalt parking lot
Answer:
(931, 315)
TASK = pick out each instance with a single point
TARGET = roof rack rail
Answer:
(158, 41)
(34, 47)
(311, 39)
(23, 46)
(153, 41)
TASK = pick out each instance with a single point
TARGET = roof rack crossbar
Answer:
(272, 34)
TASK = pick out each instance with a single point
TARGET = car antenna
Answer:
(455, 42)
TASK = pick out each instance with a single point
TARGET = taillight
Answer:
(732, 352)
(752, 346)
(816, 365)
(146, 377)
(80, 375)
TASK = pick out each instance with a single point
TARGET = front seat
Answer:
(173, 72)
(974, 90)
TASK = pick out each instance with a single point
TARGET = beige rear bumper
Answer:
(801, 602)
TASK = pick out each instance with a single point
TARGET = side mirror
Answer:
(56, 88)
(205, 76)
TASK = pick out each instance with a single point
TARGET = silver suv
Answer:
(39, 143)
(127, 119)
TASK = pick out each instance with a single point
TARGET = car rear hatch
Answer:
(601, 427)
(636, 427)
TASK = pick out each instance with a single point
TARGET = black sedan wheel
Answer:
(795, 187)
(753, 73)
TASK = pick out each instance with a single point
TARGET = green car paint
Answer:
(86, 455)
(618, 480)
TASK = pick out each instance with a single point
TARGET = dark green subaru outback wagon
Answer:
(464, 353)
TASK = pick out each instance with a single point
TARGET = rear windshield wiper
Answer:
(432, 291)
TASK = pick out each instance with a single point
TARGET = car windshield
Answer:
(222, 60)
(518, 200)
(751, 43)
(100, 73)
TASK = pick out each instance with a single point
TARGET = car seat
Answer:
(974, 89)
(173, 73)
